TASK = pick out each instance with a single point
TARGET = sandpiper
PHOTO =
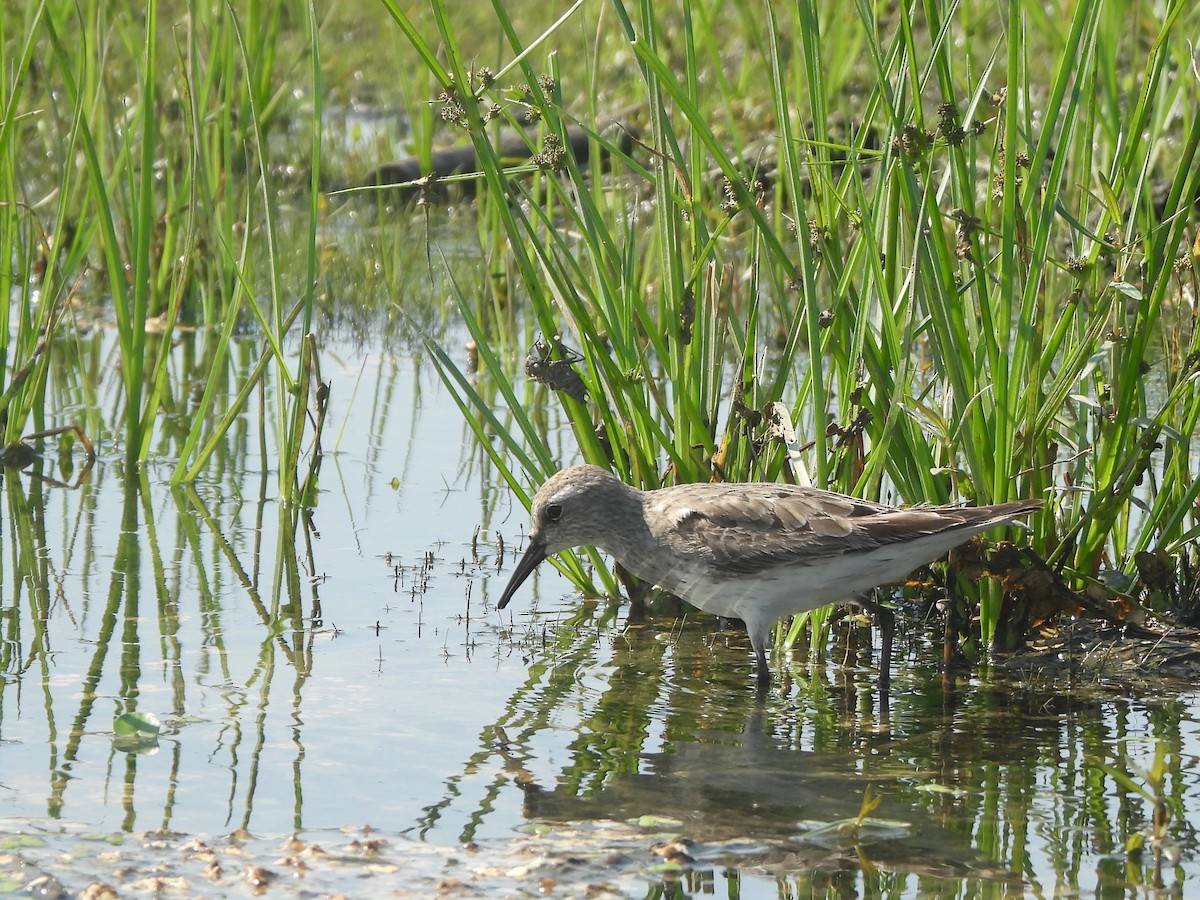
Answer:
(755, 552)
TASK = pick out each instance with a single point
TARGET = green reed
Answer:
(971, 283)
(29, 319)
(172, 214)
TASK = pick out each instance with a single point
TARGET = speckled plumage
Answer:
(756, 552)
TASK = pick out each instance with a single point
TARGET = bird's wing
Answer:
(747, 532)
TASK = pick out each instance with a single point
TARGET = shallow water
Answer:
(356, 686)
(344, 712)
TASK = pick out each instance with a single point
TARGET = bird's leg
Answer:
(762, 670)
(886, 620)
(758, 640)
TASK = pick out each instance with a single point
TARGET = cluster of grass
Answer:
(959, 265)
(156, 186)
(925, 253)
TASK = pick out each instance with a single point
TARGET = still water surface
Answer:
(355, 673)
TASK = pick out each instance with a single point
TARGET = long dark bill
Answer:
(534, 554)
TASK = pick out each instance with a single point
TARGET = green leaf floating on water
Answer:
(850, 832)
(650, 821)
(537, 828)
(137, 723)
(108, 837)
(136, 732)
(17, 841)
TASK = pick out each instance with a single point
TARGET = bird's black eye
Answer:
(553, 512)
